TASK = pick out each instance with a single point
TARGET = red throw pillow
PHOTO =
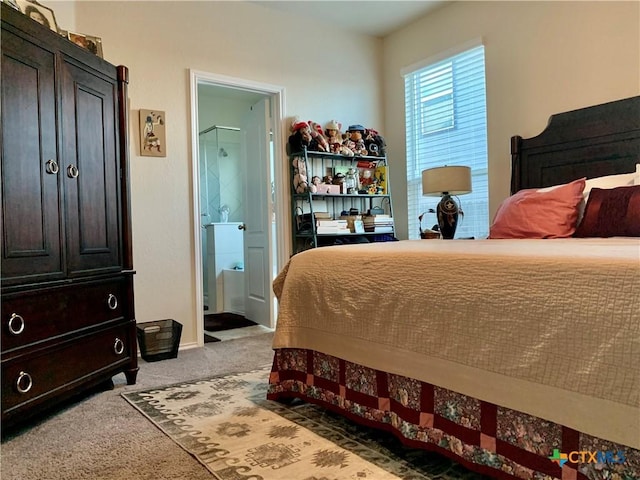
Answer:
(532, 213)
(612, 212)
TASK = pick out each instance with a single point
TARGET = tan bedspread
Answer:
(547, 327)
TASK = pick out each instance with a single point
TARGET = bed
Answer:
(517, 356)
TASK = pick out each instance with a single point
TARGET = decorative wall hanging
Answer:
(152, 134)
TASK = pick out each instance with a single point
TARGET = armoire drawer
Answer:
(29, 380)
(33, 316)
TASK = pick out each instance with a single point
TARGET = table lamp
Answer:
(446, 181)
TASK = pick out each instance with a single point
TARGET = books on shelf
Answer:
(377, 218)
(332, 226)
(382, 223)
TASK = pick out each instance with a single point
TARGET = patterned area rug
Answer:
(229, 426)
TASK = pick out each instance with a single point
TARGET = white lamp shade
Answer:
(451, 180)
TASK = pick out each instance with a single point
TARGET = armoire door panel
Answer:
(90, 171)
(31, 229)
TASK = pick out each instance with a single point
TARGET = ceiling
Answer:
(377, 18)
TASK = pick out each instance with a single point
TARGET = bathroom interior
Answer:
(221, 216)
(221, 113)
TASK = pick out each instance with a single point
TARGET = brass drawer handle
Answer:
(72, 171)
(52, 167)
(16, 324)
(118, 346)
(24, 377)
(112, 301)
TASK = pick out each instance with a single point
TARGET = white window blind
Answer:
(446, 121)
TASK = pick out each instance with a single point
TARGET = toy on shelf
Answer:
(318, 141)
(374, 143)
(300, 182)
(355, 140)
(300, 137)
(335, 139)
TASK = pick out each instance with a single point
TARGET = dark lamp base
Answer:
(447, 212)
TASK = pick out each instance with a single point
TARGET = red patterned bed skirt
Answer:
(484, 437)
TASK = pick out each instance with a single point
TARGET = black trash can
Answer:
(159, 340)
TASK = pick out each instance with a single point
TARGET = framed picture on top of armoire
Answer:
(38, 12)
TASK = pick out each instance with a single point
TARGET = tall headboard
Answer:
(589, 142)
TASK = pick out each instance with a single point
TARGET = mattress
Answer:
(547, 327)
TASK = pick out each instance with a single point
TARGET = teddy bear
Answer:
(335, 139)
(374, 143)
(355, 140)
(300, 183)
(300, 137)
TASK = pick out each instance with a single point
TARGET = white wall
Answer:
(64, 12)
(327, 74)
(541, 58)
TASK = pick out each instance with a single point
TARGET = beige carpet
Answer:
(100, 437)
(229, 426)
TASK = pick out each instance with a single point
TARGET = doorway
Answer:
(237, 164)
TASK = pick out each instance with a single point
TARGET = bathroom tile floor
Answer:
(239, 332)
(227, 326)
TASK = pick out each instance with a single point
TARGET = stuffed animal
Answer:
(335, 139)
(316, 181)
(374, 143)
(300, 137)
(355, 140)
(300, 183)
(318, 141)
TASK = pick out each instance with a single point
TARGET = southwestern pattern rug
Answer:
(232, 429)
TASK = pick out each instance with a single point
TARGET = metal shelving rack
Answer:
(304, 205)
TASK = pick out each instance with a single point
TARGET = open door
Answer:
(257, 213)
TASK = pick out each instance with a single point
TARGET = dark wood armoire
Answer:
(68, 322)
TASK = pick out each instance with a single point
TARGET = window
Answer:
(446, 121)
(436, 99)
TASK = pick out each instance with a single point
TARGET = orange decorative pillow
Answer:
(534, 213)
(613, 212)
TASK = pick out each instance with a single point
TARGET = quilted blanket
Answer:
(546, 327)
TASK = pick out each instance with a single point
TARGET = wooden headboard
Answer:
(589, 142)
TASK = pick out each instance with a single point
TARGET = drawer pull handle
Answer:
(52, 167)
(16, 324)
(24, 378)
(72, 171)
(118, 346)
(112, 302)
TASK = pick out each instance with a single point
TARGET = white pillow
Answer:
(612, 181)
(608, 181)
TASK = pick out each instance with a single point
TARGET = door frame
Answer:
(283, 229)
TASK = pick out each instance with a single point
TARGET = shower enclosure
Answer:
(221, 196)
(221, 177)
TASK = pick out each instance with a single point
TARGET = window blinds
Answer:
(446, 124)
